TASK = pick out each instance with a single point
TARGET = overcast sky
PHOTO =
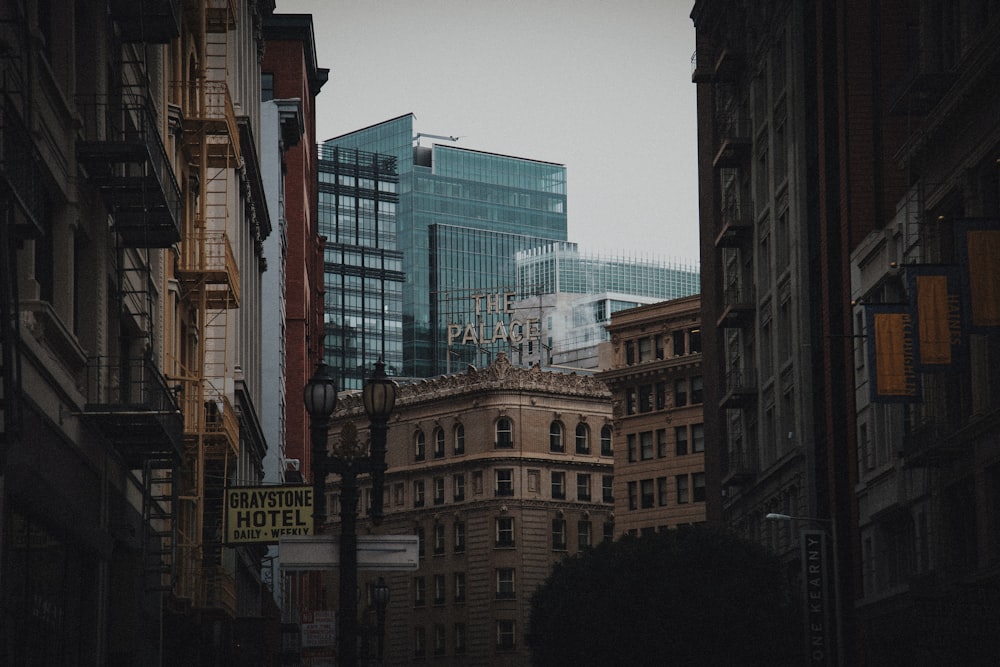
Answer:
(603, 87)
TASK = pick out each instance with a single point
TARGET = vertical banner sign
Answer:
(891, 353)
(936, 297)
(817, 607)
(977, 243)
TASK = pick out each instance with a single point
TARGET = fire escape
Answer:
(21, 216)
(128, 399)
(210, 290)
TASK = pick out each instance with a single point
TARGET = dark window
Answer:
(438, 443)
(459, 537)
(582, 486)
(556, 437)
(647, 493)
(558, 485)
(681, 440)
(505, 482)
(459, 439)
(558, 534)
(505, 433)
(582, 439)
(607, 488)
(606, 442)
(698, 493)
(419, 446)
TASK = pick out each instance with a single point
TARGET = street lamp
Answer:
(381, 599)
(774, 516)
(379, 396)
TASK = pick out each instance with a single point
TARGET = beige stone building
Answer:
(659, 440)
(501, 472)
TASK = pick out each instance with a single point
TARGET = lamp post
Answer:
(381, 599)
(838, 618)
(379, 396)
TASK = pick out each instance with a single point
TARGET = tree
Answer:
(696, 596)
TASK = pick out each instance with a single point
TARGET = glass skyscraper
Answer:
(363, 268)
(461, 217)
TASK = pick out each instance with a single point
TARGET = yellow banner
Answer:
(933, 323)
(984, 277)
(263, 514)
(894, 372)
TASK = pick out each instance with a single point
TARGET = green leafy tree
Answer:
(695, 596)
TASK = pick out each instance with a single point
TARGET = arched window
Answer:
(556, 437)
(459, 438)
(606, 448)
(505, 433)
(582, 439)
(438, 443)
(419, 446)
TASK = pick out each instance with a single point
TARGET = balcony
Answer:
(736, 226)
(21, 172)
(717, 65)
(123, 154)
(209, 419)
(919, 90)
(741, 466)
(740, 389)
(147, 21)
(738, 308)
(734, 140)
(207, 263)
(130, 402)
(210, 125)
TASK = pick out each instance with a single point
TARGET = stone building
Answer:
(659, 433)
(501, 472)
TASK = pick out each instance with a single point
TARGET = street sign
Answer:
(375, 552)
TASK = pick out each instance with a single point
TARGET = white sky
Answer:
(601, 86)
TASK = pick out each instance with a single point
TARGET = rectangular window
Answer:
(421, 540)
(647, 493)
(505, 583)
(459, 537)
(697, 390)
(399, 493)
(698, 482)
(646, 444)
(661, 491)
(680, 393)
(505, 531)
(460, 638)
(682, 489)
(419, 592)
(681, 440)
(645, 349)
(582, 486)
(505, 635)
(439, 538)
(660, 390)
(645, 398)
(439, 592)
(607, 488)
(419, 641)
(439, 490)
(608, 531)
(558, 485)
(697, 438)
(458, 487)
(661, 443)
(558, 534)
(505, 482)
(658, 345)
(678, 339)
(440, 642)
(418, 493)
(606, 444)
(460, 587)
(631, 440)
(629, 352)
(633, 495)
(583, 530)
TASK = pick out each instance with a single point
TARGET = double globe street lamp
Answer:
(320, 397)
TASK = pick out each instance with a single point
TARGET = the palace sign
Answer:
(264, 514)
(506, 329)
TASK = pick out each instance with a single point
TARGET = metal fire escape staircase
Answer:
(210, 288)
(21, 213)
(129, 400)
